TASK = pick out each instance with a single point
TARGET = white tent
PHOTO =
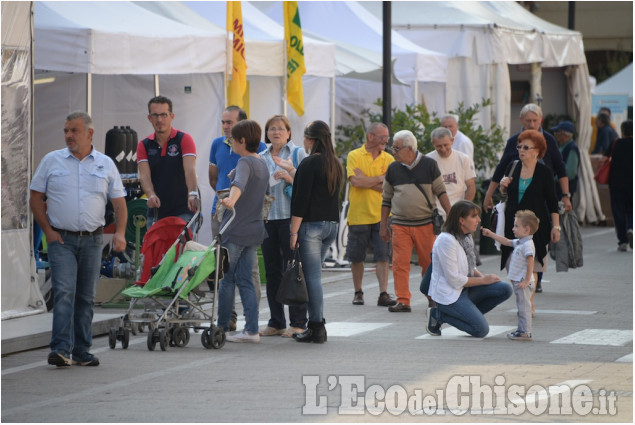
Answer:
(620, 83)
(483, 39)
(266, 65)
(20, 292)
(110, 58)
(347, 23)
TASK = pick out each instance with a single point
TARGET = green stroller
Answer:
(177, 303)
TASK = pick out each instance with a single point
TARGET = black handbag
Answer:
(292, 290)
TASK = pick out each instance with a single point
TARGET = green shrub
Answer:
(487, 142)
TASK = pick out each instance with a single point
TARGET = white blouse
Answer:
(449, 269)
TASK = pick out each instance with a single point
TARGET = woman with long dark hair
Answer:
(314, 217)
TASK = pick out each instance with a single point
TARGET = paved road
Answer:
(376, 366)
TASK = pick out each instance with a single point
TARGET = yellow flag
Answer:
(295, 56)
(238, 83)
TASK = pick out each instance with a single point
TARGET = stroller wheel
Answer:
(181, 336)
(205, 338)
(112, 338)
(217, 337)
(151, 339)
(126, 338)
(164, 342)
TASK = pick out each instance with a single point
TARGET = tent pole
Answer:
(89, 93)
(536, 84)
(387, 64)
(156, 84)
(333, 109)
(416, 92)
(284, 78)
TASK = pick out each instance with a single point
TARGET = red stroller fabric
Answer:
(156, 242)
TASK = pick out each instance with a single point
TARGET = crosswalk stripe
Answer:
(625, 359)
(613, 337)
(454, 333)
(574, 312)
(351, 328)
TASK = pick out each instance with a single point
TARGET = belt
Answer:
(98, 231)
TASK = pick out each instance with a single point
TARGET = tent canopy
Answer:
(264, 47)
(121, 38)
(490, 31)
(620, 83)
(349, 23)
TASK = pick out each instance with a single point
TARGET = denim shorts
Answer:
(359, 237)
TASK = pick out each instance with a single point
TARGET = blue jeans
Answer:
(315, 238)
(467, 313)
(276, 252)
(75, 268)
(241, 261)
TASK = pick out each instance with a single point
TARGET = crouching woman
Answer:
(462, 293)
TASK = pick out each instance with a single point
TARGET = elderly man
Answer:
(69, 192)
(570, 153)
(366, 168)
(456, 168)
(406, 178)
(531, 119)
(462, 143)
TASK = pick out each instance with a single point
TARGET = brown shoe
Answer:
(271, 331)
(399, 308)
(384, 300)
(358, 299)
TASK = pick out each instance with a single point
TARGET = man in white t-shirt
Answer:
(456, 168)
(462, 143)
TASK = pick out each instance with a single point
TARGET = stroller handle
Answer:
(231, 218)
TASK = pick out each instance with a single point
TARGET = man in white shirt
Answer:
(456, 168)
(462, 143)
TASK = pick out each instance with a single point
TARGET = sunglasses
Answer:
(524, 147)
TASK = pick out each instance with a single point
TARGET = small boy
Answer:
(521, 268)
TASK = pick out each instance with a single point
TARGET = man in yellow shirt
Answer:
(365, 169)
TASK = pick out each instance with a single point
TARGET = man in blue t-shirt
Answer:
(222, 160)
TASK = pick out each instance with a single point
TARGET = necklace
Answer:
(523, 183)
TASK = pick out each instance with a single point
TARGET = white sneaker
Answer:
(243, 336)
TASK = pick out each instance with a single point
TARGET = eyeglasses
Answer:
(162, 115)
(382, 138)
(524, 147)
(276, 129)
(397, 148)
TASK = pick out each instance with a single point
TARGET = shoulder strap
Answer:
(409, 172)
(513, 167)
(294, 158)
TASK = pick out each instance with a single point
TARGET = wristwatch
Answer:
(194, 194)
(568, 195)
